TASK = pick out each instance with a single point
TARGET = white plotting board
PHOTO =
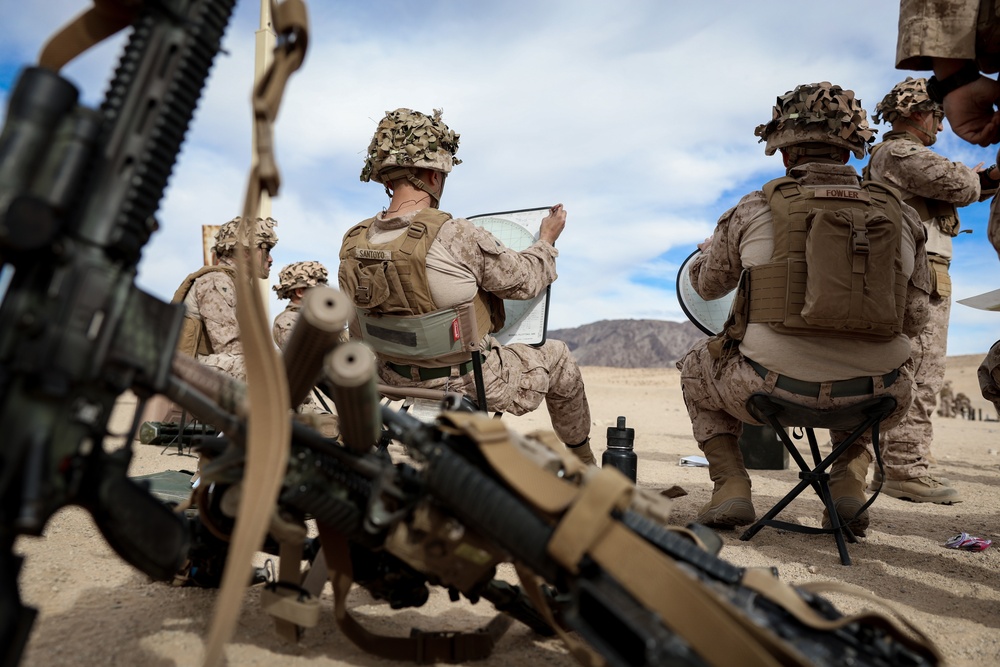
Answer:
(526, 320)
(709, 316)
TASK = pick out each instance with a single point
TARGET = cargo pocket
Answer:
(940, 280)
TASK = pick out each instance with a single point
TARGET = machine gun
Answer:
(472, 494)
(78, 192)
(79, 188)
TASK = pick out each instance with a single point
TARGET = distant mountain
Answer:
(629, 343)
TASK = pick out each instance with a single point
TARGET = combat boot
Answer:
(925, 489)
(847, 487)
(877, 479)
(730, 504)
(583, 452)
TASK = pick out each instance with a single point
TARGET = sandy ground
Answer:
(96, 610)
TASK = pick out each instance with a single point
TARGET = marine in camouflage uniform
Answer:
(951, 39)
(209, 295)
(935, 186)
(293, 281)
(411, 154)
(816, 127)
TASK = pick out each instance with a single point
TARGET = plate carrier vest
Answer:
(390, 279)
(836, 269)
(194, 340)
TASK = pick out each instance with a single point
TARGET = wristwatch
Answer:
(937, 89)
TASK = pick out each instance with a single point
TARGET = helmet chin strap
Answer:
(411, 177)
(931, 136)
(420, 185)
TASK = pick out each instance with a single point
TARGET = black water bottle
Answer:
(619, 453)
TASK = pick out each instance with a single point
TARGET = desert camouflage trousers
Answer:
(518, 378)
(906, 448)
(716, 392)
(230, 364)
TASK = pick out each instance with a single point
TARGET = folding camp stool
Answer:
(856, 419)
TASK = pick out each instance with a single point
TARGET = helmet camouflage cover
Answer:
(817, 113)
(299, 274)
(905, 97)
(410, 139)
(263, 232)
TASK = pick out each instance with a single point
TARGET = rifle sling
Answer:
(268, 431)
(420, 647)
(99, 22)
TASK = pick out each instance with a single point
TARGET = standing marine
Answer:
(293, 281)
(935, 187)
(211, 332)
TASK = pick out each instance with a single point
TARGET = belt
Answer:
(861, 386)
(429, 373)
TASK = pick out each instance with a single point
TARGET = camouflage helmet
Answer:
(299, 274)
(817, 113)
(227, 238)
(905, 97)
(411, 140)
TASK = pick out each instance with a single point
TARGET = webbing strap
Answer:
(589, 518)
(268, 427)
(420, 647)
(859, 264)
(288, 614)
(94, 25)
(547, 493)
(904, 631)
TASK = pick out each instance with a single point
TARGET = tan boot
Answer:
(730, 504)
(583, 452)
(926, 489)
(847, 486)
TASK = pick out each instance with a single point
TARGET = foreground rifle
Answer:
(78, 191)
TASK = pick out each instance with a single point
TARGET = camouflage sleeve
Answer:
(989, 376)
(717, 270)
(918, 289)
(940, 29)
(993, 226)
(498, 269)
(920, 171)
(282, 328)
(216, 295)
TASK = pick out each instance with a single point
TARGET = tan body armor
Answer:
(836, 269)
(194, 340)
(389, 280)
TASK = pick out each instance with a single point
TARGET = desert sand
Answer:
(96, 610)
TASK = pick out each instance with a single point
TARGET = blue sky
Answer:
(637, 115)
